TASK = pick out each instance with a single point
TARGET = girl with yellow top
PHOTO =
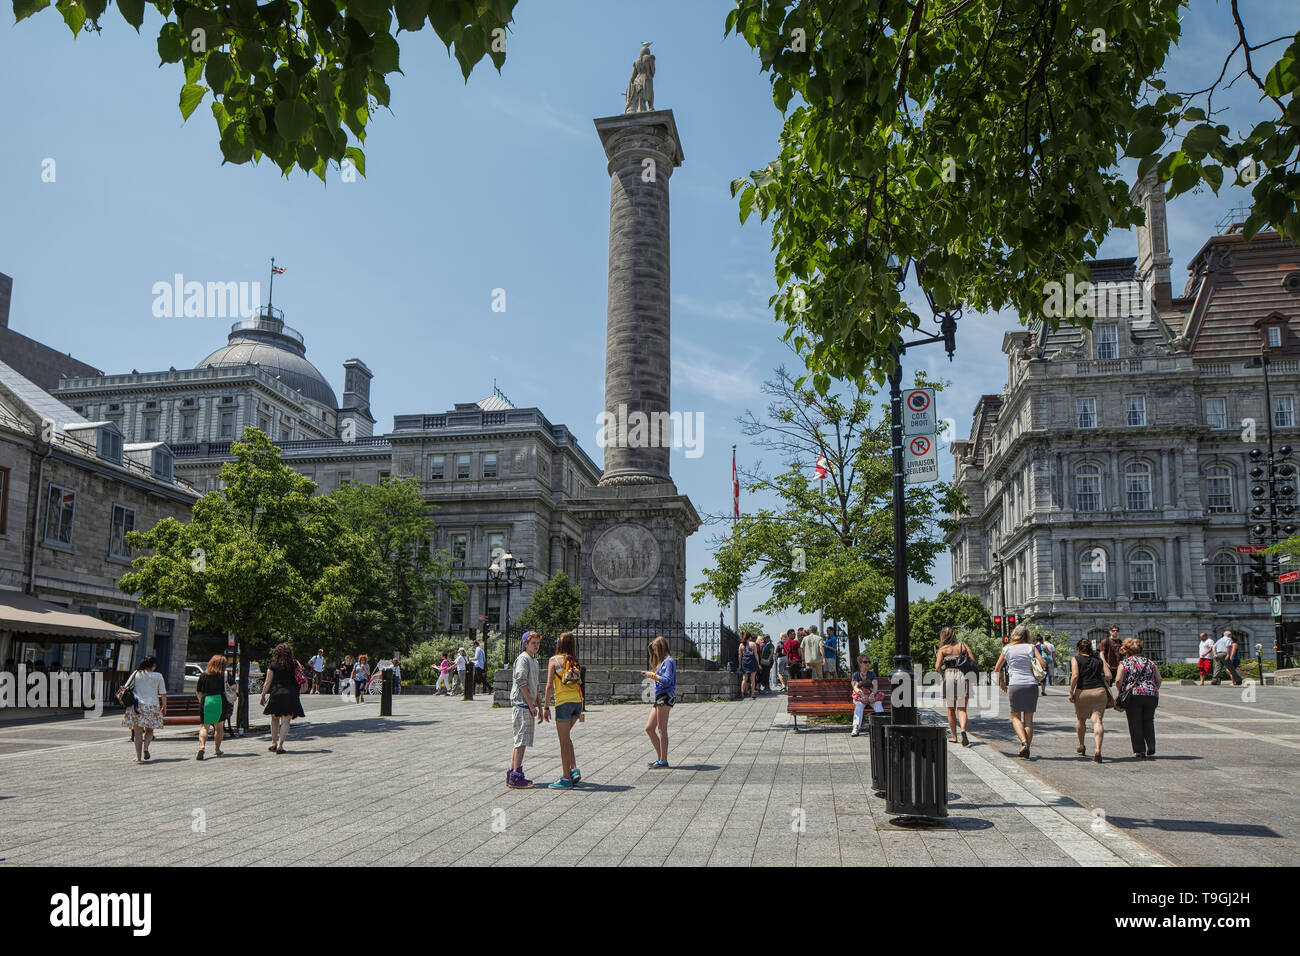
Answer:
(564, 681)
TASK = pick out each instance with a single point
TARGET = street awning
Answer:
(25, 614)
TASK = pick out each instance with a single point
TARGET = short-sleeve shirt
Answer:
(792, 650)
(148, 687)
(210, 684)
(830, 646)
(524, 675)
(811, 649)
(1221, 645)
(317, 663)
(864, 679)
(1207, 648)
(1140, 676)
(460, 663)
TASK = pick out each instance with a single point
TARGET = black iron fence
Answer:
(628, 644)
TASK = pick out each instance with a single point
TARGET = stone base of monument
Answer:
(634, 554)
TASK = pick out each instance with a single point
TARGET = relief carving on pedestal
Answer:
(625, 558)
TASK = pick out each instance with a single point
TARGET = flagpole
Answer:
(270, 293)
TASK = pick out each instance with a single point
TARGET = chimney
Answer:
(1153, 260)
(356, 397)
(6, 290)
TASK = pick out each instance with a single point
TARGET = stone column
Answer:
(643, 149)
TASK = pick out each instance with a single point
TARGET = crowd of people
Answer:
(797, 654)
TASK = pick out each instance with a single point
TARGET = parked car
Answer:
(192, 674)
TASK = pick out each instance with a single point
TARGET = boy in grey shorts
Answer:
(523, 707)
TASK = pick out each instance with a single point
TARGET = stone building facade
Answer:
(70, 490)
(1109, 482)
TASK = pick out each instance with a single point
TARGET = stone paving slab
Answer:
(426, 787)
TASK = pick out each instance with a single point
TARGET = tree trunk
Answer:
(852, 635)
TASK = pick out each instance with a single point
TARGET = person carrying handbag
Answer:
(1138, 683)
(1090, 680)
(956, 662)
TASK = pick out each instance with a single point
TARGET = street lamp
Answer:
(1279, 494)
(506, 572)
(946, 318)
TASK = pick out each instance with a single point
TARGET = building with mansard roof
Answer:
(1109, 481)
(498, 476)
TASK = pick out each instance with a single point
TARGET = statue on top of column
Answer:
(641, 88)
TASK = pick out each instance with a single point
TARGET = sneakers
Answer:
(516, 780)
(576, 776)
(658, 765)
(564, 783)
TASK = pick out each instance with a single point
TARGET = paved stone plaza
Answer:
(427, 787)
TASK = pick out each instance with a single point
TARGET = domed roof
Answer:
(266, 341)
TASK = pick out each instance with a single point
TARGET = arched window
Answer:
(1087, 488)
(1227, 577)
(1218, 489)
(1153, 644)
(1142, 575)
(1092, 573)
(1097, 635)
(1137, 485)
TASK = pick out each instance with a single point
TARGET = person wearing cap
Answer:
(525, 707)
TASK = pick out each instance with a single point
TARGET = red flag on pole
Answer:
(735, 485)
(820, 473)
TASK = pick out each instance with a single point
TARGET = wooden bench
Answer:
(821, 698)
(185, 709)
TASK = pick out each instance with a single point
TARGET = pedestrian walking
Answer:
(1020, 684)
(150, 707)
(461, 663)
(747, 659)
(1139, 679)
(524, 707)
(317, 665)
(443, 686)
(766, 656)
(361, 676)
(810, 650)
(564, 684)
(793, 660)
(1109, 650)
(866, 692)
(1205, 657)
(213, 705)
(1224, 649)
(830, 652)
(345, 676)
(480, 665)
(664, 674)
(949, 661)
(782, 666)
(1090, 680)
(1048, 653)
(281, 688)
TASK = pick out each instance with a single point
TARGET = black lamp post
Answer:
(506, 572)
(1002, 592)
(1280, 494)
(946, 318)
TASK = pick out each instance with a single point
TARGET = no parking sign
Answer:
(920, 459)
(918, 411)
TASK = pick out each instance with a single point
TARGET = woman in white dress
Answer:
(150, 707)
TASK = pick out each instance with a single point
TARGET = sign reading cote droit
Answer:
(625, 558)
(918, 411)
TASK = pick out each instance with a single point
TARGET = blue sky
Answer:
(497, 183)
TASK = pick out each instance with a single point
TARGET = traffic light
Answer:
(1011, 623)
(997, 625)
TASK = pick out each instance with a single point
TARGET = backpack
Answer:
(570, 672)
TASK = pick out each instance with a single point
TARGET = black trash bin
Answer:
(876, 734)
(916, 770)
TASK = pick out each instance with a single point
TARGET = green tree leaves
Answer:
(296, 82)
(554, 608)
(980, 140)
